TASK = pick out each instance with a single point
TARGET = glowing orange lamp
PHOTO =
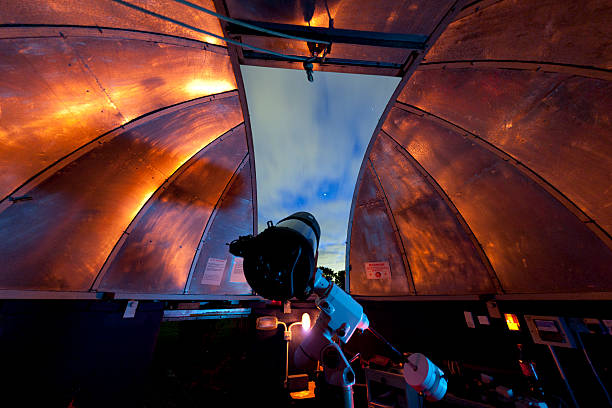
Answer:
(512, 322)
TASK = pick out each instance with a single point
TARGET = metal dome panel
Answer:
(156, 252)
(62, 236)
(442, 258)
(233, 217)
(62, 91)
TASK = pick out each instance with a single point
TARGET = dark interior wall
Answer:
(55, 353)
(85, 354)
(439, 330)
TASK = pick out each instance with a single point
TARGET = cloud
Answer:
(309, 141)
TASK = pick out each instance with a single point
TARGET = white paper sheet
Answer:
(213, 274)
(237, 275)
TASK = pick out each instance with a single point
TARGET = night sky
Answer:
(309, 141)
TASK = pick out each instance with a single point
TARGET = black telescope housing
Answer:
(280, 262)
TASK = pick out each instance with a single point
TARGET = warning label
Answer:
(378, 270)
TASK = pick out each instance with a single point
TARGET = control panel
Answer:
(550, 330)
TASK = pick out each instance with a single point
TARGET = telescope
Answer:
(280, 263)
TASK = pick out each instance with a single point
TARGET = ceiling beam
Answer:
(254, 55)
(334, 35)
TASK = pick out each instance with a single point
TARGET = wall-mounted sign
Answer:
(378, 270)
(213, 272)
(237, 275)
(469, 319)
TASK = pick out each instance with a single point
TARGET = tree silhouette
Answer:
(336, 277)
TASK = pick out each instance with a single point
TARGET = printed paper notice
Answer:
(237, 275)
(214, 272)
(469, 320)
(378, 270)
(483, 320)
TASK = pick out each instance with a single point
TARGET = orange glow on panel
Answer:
(512, 322)
(54, 103)
(143, 202)
(200, 87)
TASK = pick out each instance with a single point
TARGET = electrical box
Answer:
(550, 330)
(389, 390)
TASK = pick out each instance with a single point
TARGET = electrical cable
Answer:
(190, 27)
(329, 17)
(563, 377)
(251, 26)
(401, 356)
(593, 368)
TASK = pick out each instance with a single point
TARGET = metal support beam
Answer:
(254, 55)
(47, 294)
(182, 298)
(519, 297)
(235, 54)
(335, 35)
(468, 231)
(205, 314)
(589, 222)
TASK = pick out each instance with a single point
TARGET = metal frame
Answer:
(254, 55)
(334, 35)
(173, 315)
(235, 53)
(589, 222)
(331, 64)
(586, 296)
(48, 294)
(119, 244)
(557, 296)
(47, 172)
(210, 222)
(468, 231)
(537, 66)
(396, 231)
(409, 67)
(418, 298)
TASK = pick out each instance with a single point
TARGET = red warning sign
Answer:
(378, 270)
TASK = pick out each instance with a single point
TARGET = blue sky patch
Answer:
(309, 141)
